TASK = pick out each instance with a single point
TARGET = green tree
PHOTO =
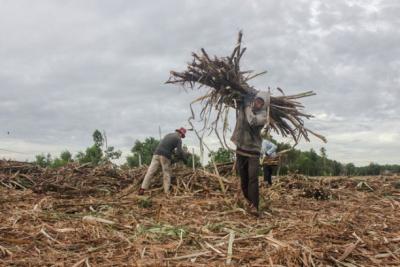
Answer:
(373, 169)
(97, 154)
(336, 167)
(323, 152)
(189, 160)
(145, 149)
(325, 170)
(111, 153)
(66, 156)
(289, 160)
(43, 161)
(189, 157)
(93, 154)
(304, 164)
(222, 155)
(350, 169)
(64, 159)
(40, 160)
(98, 138)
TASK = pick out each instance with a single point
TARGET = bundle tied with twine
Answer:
(228, 87)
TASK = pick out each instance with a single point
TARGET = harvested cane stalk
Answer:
(229, 86)
(230, 247)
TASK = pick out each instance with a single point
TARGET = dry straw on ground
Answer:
(335, 221)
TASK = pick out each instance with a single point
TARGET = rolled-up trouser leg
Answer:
(166, 168)
(253, 169)
(153, 168)
(242, 169)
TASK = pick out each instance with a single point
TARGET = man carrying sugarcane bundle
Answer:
(162, 156)
(269, 158)
(251, 116)
(229, 88)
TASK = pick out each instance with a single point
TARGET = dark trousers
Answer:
(248, 168)
(267, 169)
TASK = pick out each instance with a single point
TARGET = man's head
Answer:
(181, 131)
(261, 101)
(258, 103)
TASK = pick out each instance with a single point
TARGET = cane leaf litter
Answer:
(92, 216)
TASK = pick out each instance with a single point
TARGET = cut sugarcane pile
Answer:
(72, 179)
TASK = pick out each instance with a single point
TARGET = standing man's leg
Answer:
(267, 169)
(269, 175)
(153, 168)
(253, 181)
(265, 172)
(241, 167)
(166, 168)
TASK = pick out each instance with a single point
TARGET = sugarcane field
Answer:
(199, 133)
(81, 215)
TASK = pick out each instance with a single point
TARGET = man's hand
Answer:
(264, 131)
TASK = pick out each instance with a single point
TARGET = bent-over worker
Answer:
(162, 156)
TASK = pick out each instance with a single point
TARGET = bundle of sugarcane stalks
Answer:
(229, 87)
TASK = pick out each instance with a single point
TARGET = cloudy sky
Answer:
(69, 67)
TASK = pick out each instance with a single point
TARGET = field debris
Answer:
(73, 179)
(98, 220)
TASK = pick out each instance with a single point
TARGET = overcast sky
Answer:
(69, 67)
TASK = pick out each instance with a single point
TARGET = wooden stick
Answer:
(230, 247)
(197, 254)
(79, 262)
(5, 251)
(348, 250)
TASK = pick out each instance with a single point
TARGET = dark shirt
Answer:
(168, 144)
(247, 136)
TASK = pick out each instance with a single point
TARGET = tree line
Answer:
(96, 154)
(308, 163)
(100, 152)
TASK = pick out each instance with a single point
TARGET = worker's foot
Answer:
(252, 210)
(254, 213)
(267, 184)
(141, 192)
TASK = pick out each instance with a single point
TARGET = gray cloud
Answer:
(67, 68)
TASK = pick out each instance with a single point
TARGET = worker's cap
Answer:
(182, 131)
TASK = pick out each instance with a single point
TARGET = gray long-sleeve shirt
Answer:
(168, 144)
(246, 135)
